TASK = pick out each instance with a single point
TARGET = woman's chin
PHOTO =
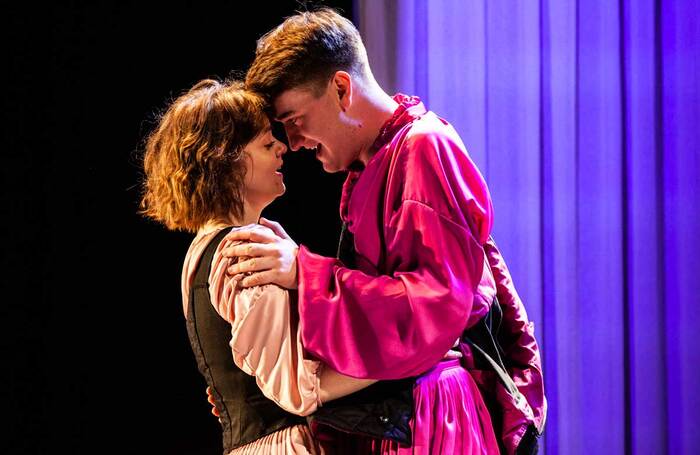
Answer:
(276, 194)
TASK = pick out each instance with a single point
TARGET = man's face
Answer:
(318, 123)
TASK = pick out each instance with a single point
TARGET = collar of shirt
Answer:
(410, 108)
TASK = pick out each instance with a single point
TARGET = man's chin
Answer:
(330, 168)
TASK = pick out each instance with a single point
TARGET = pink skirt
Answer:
(450, 416)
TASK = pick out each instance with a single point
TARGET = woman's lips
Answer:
(278, 171)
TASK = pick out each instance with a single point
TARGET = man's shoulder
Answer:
(428, 137)
(429, 124)
(421, 161)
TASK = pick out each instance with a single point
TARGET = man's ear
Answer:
(342, 83)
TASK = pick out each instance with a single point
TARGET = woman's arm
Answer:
(335, 385)
(266, 343)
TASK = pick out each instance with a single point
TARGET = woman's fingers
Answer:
(452, 354)
(210, 399)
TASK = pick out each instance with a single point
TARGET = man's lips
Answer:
(317, 150)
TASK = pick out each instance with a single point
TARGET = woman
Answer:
(211, 164)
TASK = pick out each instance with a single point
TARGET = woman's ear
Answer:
(342, 82)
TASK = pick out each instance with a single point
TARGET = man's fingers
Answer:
(240, 250)
(266, 236)
(258, 279)
(252, 265)
(276, 228)
(251, 250)
(256, 233)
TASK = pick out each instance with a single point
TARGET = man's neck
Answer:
(376, 109)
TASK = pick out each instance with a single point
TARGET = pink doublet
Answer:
(420, 213)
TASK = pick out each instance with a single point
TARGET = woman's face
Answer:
(263, 181)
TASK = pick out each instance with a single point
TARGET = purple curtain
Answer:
(584, 116)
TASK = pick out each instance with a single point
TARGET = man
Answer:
(420, 214)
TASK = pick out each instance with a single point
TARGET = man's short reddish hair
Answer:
(305, 51)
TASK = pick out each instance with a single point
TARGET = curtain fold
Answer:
(584, 117)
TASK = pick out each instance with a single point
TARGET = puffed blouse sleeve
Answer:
(265, 338)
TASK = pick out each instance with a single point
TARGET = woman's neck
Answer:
(251, 215)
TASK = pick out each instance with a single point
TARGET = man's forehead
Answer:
(289, 102)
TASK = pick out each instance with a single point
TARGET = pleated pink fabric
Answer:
(450, 418)
(292, 440)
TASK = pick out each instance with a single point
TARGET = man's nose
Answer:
(293, 137)
(283, 148)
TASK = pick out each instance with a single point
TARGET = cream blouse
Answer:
(265, 343)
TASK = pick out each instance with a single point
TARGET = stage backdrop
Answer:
(584, 118)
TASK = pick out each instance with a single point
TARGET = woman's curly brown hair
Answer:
(194, 163)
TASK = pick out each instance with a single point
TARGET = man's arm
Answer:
(400, 324)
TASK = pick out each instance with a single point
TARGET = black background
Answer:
(94, 349)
